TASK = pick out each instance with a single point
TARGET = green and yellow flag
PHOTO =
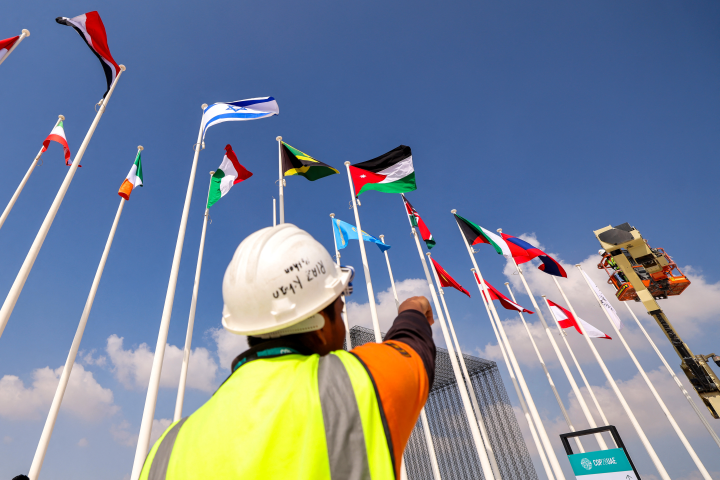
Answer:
(295, 162)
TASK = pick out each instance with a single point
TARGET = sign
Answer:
(610, 464)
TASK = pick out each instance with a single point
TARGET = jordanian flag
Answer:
(228, 174)
(475, 234)
(134, 178)
(416, 221)
(389, 173)
(58, 135)
(295, 162)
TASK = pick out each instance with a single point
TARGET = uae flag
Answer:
(58, 135)
(416, 221)
(228, 174)
(446, 280)
(475, 234)
(91, 29)
(566, 320)
(504, 301)
(295, 162)
(392, 172)
(6, 45)
(134, 179)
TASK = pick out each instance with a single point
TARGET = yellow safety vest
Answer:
(288, 417)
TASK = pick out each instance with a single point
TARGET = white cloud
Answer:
(84, 397)
(122, 435)
(359, 314)
(83, 442)
(89, 358)
(132, 367)
(228, 344)
(158, 428)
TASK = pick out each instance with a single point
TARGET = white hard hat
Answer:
(279, 277)
(601, 252)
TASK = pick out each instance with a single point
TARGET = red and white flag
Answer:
(91, 29)
(58, 135)
(566, 320)
(504, 301)
(6, 45)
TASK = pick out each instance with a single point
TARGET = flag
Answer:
(446, 280)
(58, 135)
(566, 320)
(6, 45)
(392, 172)
(504, 301)
(228, 174)
(250, 109)
(91, 29)
(604, 301)
(416, 221)
(475, 234)
(295, 162)
(523, 252)
(134, 179)
(344, 232)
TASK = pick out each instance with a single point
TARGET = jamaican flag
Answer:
(295, 162)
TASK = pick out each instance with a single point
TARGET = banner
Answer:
(605, 303)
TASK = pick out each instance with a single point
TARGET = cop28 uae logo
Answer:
(587, 464)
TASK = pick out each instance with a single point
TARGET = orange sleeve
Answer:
(402, 386)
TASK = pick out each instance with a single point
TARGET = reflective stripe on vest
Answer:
(354, 436)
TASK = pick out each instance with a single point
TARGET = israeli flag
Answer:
(250, 109)
(344, 232)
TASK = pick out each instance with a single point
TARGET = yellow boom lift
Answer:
(644, 274)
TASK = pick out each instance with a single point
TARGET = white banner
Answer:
(605, 303)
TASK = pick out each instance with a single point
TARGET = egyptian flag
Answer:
(58, 135)
(504, 301)
(475, 234)
(6, 45)
(392, 172)
(416, 221)
(91, 29)
(229, 173)
(295, 162)
(446, 280)
(523, 252)
(566, 320)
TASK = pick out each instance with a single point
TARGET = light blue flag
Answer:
(250, 109)
(345, 232)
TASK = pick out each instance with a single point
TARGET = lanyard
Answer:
(269, 353)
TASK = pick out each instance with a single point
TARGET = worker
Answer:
(296, 405)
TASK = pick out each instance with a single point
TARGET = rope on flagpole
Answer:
(281, 180)
(25, 33)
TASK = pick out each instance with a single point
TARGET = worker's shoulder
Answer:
(389, 350)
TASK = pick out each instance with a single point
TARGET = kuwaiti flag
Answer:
(345, 232)
(416, 221)
(523, 252)
(58, 135)
(229, 173)
(504, 301)
(392, 172)
(250, 109)
(476, 234)
(134, 178)
(6, 45)
(566, 320)
(446, 280)
(91, 29)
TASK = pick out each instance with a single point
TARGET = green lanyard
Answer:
(269, 353)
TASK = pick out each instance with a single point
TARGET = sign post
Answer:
(612, 464)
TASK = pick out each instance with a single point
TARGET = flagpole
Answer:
(154, 383)
(463, 366)
(348, 340)
(557, 469)
(274, 213)
(368, 281)
(25, 33)
(191, 319)
(638, 429)
(19, 283)
(281, 180)
(656, 395)
(547, 373)
(677, 381)
(15, 196)
(477, 438)
(392, 280)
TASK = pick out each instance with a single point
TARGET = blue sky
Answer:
(547, 120)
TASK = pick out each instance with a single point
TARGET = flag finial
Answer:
(499, 230)
(472, 269)
(332, 215)
(279, 138)
(203, 106)
(507, 283)
(453, 211)
(346, 163)
(61, 117)
(122, 67)
(26, 32)
(428, 254)
(141, 148)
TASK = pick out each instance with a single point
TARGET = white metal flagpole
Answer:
(363, 255)
(25, 33)
(643, 438)
(19, 283)
(463, 366)
(67, 370)
(281, 180)
(274, 213)
(656, 395)
(348, 340)
(191, 319)
(392, 280)
(15, 196)
(677, 380)
(154, 383)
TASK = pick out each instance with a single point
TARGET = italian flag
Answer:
(392, 172)
(228, 174)
(134, 178)
(58, 135)
(475, 234)
(416, 221)
(6, 45)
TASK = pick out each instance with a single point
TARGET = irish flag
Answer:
(58, 135)
(475, 234)
(228, 174)
(392, 172)
(566, 320)
(134, 178)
